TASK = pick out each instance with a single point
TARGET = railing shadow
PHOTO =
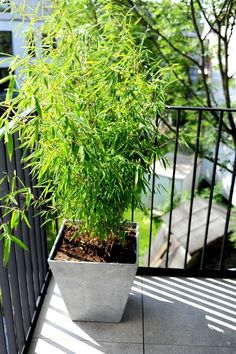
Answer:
(215, 298)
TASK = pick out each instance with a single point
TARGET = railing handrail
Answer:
(188, 108)
(16, 335)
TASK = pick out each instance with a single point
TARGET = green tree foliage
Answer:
(178, 34)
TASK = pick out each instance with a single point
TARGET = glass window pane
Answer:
(3, 73)
(5, 6)
(6, 42)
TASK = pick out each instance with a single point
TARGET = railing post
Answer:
(228, 214)
(193, 186)
(2, 333)
(201, 270)
(173, 185)
(212, 187)
(24, 281)
(7, 308)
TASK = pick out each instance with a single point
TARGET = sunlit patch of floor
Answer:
(163, 315)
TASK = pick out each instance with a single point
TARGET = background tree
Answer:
(180, 34)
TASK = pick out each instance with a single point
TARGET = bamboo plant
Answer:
(92, 136)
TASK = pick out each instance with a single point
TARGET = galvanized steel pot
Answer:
(93, 291)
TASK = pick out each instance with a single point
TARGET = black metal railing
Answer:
(24, 280)
(207, 131)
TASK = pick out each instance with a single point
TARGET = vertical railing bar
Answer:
(152, 196)
(21, 276)
(43, 239)
(26, 237)
(15, 292)
(38, 239)
(57, 226)
(193, 186)
(7, 306)
(35, 224)
(2, 333)
(34, 237)
(14, 280)
(20, 254)
(212, 187)
(4, 276)
(151, 212)
(19, 282)
(228, 215)
(33, 249)
(38, 309)
(173, 186)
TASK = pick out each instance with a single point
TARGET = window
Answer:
(3, 73)
(6, 42)
(5, 6)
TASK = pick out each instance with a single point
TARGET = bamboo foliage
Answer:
(95, 93)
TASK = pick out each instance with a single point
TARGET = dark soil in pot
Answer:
(78, 246)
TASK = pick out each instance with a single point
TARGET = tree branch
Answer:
(211, 25)
(202, 66)
(231, 29)
(147, 23)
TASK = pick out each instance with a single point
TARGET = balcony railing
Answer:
(211, 148)
(24, 281)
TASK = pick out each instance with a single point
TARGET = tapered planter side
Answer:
(93, 291)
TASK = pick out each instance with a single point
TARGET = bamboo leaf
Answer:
(6, 249)
(45, 81)
(19, 243)
(15, 219)
(37, 106)
(11, 88)
(10, 145)
(24, 217)
(36, 132)
(12, 199)
(5, 79)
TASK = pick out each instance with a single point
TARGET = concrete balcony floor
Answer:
(165, 315)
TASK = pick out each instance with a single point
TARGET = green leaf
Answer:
(11, 88)
(10, 145)
(19, 243)
(12, 199)
(36, 132)
(15, 216)
(45, 81)
(24, 217)
(38, 108)
(6, 249)
(5, 79)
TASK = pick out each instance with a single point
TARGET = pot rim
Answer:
(59, 236)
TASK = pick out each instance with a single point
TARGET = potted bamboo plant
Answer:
(90, 144)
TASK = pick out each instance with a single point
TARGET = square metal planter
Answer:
(93, 291)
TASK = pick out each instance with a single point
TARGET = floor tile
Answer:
(171, 349)
(128, 330)
(178, 316)
(55, 323)
(121, 348)
(61, 346)
(58, 346)
(181, 316)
